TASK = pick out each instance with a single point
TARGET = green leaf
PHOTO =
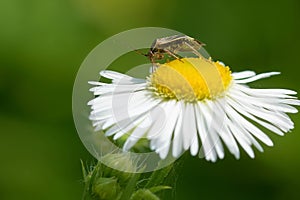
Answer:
(159, 188)
(84, 171)
(131, 187)
(157, 177)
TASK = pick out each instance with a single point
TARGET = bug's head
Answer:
(153, 54)
(156, 54)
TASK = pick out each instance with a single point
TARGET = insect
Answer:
(172, 45)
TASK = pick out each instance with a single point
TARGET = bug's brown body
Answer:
(172, 45)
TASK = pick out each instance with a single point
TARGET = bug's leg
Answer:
(153, 67)
(171, 54)
(193, 49)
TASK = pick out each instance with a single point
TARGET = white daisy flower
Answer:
(192, 104)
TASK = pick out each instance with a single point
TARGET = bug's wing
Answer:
(200, 43)
(154, 44)
(166, 42)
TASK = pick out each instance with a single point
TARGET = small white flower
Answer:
(189, 103)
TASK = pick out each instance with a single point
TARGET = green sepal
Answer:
(120, 164)
(144, 194)
(131, 186)
(84, 171)
(106, 188)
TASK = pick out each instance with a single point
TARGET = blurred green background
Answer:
(43, 42)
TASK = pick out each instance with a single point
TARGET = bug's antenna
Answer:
(141, 53)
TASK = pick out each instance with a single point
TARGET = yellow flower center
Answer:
(190, 79)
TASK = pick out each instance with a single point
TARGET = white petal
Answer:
(98, 101)
(136, 135)
(271, 113)
(97, 83)
(262, 102)
(203, 125)
(193, 143)
(132, 109)
(250, 127)
(123, 127)
(163, 141)
(242, 140)
(178, 136)
(208, 151)
(242, 75)
(236, 128)
(188, 126)
(114, 75)
(194, 146)
(100, 116)
(248, 114)
(254, 91)
(295, 102)
(224, 132)
(113, 89)
(214, 127)
(159, 118)
(257, 77)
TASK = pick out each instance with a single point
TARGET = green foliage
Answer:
(105, 183)
(106, 188)
(158, 177)
(143, 194)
